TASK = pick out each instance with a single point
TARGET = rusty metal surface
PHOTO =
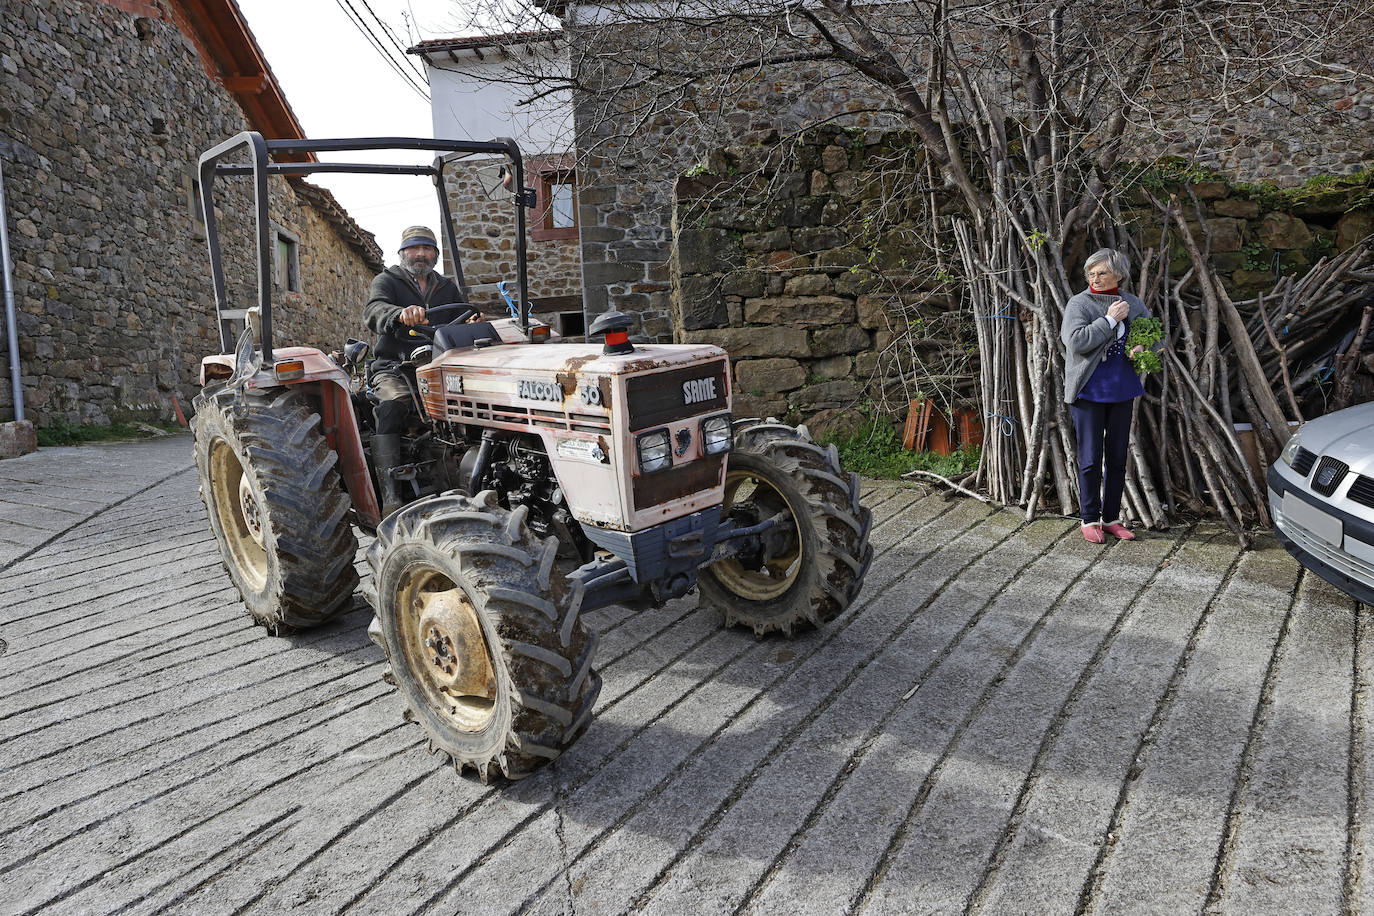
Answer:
(677, 482)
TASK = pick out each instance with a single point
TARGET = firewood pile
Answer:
(1237, 376)
(1265, 363)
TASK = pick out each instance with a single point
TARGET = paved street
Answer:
(1010, 720)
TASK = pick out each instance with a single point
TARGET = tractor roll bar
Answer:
(261, 168)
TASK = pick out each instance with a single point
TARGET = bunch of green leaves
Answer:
(1145, 332)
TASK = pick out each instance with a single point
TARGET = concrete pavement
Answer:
(1010, 720)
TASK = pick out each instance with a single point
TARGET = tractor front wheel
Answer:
(485, 642)
(808, 568)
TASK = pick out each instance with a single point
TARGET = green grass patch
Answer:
(877, 452)
(65, 434)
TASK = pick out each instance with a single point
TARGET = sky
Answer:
(340, 86)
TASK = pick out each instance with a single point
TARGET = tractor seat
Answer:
(457, 336)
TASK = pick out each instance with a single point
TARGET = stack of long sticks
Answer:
(1226, 363)
(1297, 328)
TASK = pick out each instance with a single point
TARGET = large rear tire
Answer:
(276, 505)
(812, 566)
(484, 638)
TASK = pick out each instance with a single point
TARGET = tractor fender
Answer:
(215, 368)
(330, 385)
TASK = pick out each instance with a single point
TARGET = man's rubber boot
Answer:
(386, 455)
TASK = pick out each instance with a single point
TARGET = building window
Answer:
(286, 261)
(556, 187)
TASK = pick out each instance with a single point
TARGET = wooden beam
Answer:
(249, 85)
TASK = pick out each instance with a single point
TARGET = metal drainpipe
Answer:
(11, 331)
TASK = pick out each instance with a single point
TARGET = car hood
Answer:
(1346, 434)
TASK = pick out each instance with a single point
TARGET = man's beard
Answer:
(417, 265)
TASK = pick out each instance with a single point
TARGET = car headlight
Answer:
(655, 451)
(1290, 448)
(716, 435)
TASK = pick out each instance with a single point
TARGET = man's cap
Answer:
(417, 235)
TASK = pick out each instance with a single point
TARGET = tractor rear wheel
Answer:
(276, 505)
(484, 639)
(812, 565)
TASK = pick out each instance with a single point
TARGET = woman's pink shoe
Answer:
(1093, 534)
(1119, 531)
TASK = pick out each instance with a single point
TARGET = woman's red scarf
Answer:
(1103, 291)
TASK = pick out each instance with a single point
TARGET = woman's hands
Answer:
(1118, 311)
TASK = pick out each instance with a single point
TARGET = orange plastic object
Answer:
(926, 428)
(968, 427)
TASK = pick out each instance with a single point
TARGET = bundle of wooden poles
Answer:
(1235, 376)
(1220, 412)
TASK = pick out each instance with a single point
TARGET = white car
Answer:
(1321, 497)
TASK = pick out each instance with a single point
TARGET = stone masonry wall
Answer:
(103, 115)
(626, 185)
(485, 229)
(806, 301)
(823, 296)
(628, 182)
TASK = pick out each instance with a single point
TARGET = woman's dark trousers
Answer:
(1103, 434)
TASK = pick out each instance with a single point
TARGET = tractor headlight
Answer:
(716, 435)
(1290, 448)
(655, 451)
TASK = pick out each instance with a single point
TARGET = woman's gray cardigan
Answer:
(1087, 334)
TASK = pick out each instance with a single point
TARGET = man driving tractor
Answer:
(400, 294)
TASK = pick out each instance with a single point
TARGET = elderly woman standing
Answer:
(1100, 384)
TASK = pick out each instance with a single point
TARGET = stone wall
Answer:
(1257, 232)
(806, 274)
(485, 229)
(628, 181)
(813, 275)
(103, 114)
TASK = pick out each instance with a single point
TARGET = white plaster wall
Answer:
(475, 99)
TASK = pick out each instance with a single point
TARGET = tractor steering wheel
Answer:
(450, 314)
(438, 315)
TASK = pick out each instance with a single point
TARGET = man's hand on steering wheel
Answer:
(412, 315)
(438, 315)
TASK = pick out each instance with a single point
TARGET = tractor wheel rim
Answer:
(239, 514)
(778, 573)
(252, 515)
(446, 647)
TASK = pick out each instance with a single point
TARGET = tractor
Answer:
(542, 479)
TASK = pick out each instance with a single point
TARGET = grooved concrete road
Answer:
(1009, 721)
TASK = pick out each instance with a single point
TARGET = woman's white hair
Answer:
(1116, 262)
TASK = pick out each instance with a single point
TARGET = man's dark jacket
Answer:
(392, 290)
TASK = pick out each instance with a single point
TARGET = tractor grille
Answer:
(466, 410)
(663, 397)
(1330, 472)
(1304, 461)
(681, 481)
